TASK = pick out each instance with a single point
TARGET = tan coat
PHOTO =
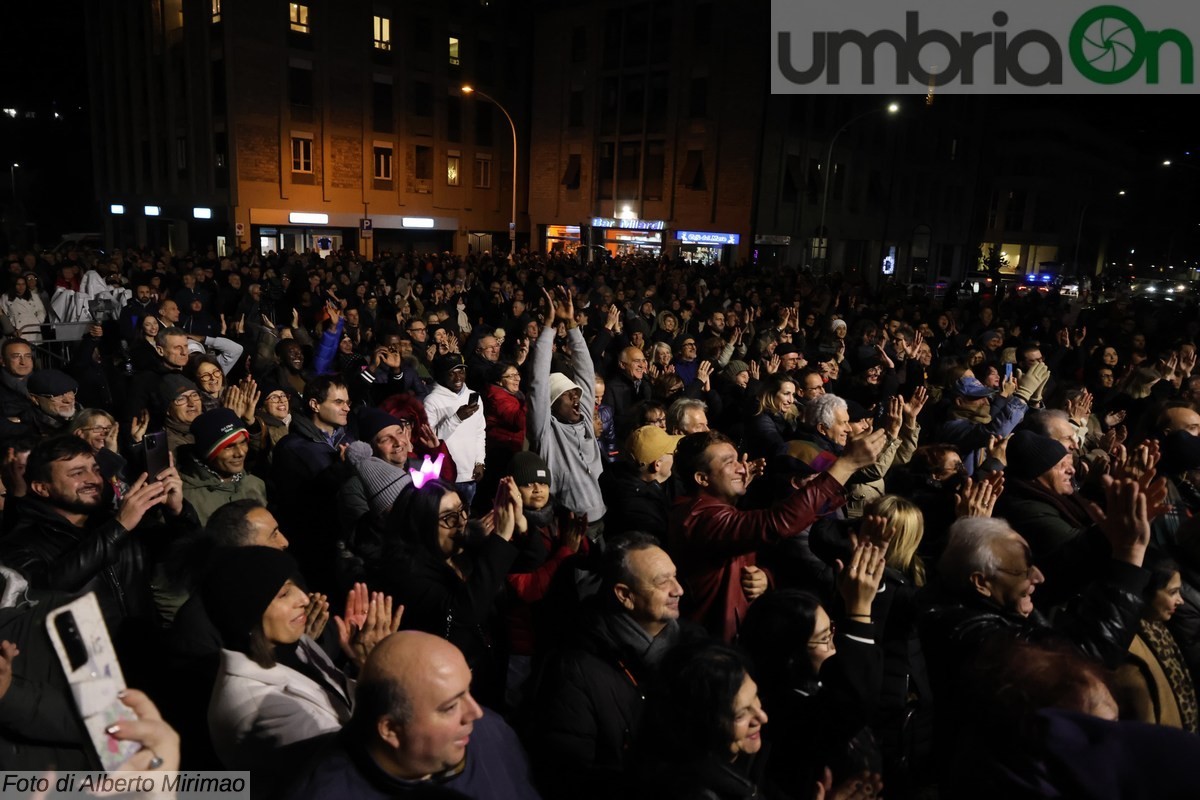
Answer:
(1142, 690)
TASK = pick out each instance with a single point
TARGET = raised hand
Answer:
(142, 496)
(912, 409)
(139, 425)
(8, 653)
(976, 498)
(755, 369)
(859, 581)
(773, 365)
(424, 436)
(380, 623)
(703, 373)
(1080, 408)
(160, 742)
(894, 416)
(1125, 520)
(317, 614)
(874, 530)
(883, 357)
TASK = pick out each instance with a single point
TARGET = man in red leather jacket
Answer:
(714, 543)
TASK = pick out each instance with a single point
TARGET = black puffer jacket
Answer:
(587, 708)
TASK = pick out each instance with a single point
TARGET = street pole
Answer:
(512, 223)
(12, 173)
(828, 166)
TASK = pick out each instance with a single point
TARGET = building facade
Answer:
(272, 125)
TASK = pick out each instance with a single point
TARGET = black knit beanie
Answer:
(1031, 455)
(240, 585)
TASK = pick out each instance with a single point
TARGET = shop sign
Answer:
(705, 237)
(772, 238)
(629, 224)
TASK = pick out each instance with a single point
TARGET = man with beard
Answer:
(15, 370)
(51, 407)
(214, 468)
(558, 428)
(141, 304)
(65, 539)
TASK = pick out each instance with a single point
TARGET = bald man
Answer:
(628, 385)
(1178, 418)
(416, 728)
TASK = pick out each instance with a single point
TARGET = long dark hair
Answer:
(412, 525)
(775, 633)
(12, 288)
(691, 715)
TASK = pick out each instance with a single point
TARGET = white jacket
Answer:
(25, 315)
(255, 711)
(464, 438)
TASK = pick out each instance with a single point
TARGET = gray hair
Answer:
(679, 408)
(971, 548)
(160, 338)
(820, 410)
(1040, 421)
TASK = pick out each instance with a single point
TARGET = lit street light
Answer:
(512, 223)
(892, 108)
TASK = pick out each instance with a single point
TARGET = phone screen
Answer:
(1007, 371)
(473, 398)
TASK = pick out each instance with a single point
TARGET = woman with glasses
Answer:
(205, 371)
(448, 574)
(820, 678)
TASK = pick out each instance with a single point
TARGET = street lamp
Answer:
(512, 223)
(892, 108)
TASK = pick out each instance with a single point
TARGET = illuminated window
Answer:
(302, 154)
(454, 62)
(483, 173)
(298, 14)
(453, 170)
(383, 163)
(383, 33)
(216, 10)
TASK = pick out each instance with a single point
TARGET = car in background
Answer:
(1161, 288)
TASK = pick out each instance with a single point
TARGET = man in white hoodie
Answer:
(456, 416)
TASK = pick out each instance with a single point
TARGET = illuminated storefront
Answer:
(706, 247)
(627, 236)
(562, 239)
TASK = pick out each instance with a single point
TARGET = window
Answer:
(692, 176)
(300, 85)
(216, 10)
(383, 162)
(454, 118)
(571, 176)
(298, 16)
(422, 99)
(383, 33)
(382, 114)
(483, 125)
(656, 103)
(629, 168)
(483, 173)
(453, 170)
(654, 167)
(454, 60)
(423, 162)
(604, 171)
(578, 45)
(698, 98)
(633, 104)
(422, 30)
(302, 154)
(575, 109)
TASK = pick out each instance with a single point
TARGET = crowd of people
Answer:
(517, 528)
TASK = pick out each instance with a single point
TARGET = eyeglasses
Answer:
(404, 423)
(187, 398)
(415, 329)
(509, 376)
(209, 376)
(826, 640)
(1026, 573)
(453, 519)
(101, 429)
